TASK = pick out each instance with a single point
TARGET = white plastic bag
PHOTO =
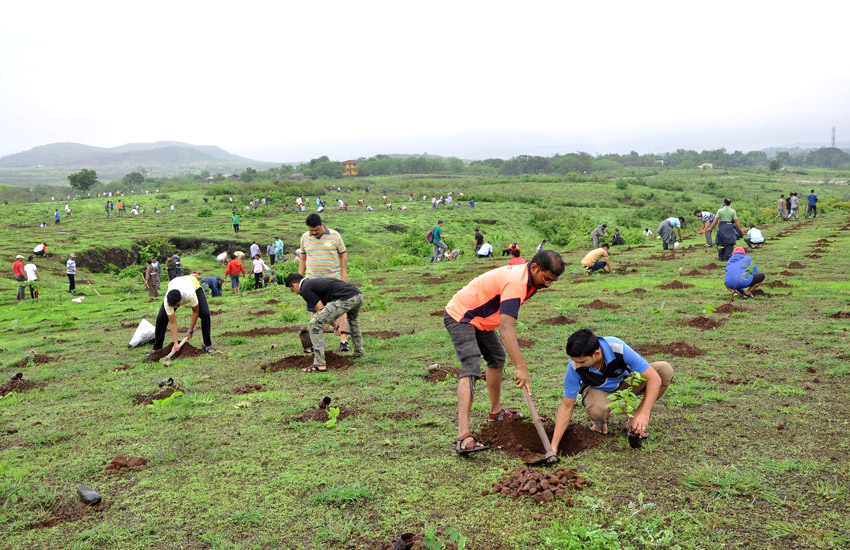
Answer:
(144, 333)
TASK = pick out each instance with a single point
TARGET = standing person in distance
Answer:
(71, 272)
(32, 277)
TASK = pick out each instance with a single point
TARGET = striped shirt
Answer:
(322, 254)
(707, 217)
(70, 266)
(500, 291)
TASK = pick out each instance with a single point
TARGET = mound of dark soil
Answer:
(321, 415)
(434, 280)
(796, 265)
(692, 273)
(69, 509)
(273, 302)
(333, 361)
(37, 359)
(664, 257)
(122, 463)
(19, 385)
(382, 334)
(712, 265)
(261, 313)
(755, 348)
(675, 285)
(813, 256)
(732, 380)
(216, 312)
(841, 315)
(823, 241)
(598, 304)
(704, 323)
(186, 350)
(580, 280)
(159, 394)
(519, 438)
(437, 313)
(637, 291)
(759, 292)
(679, 349)
(264, 331)
(818, 251)
(540, 485)
(247, 388)
(777, 284)
(729, 308)
(525, 343)
(787, 273)
(558, 320)
(396, 228)
(441, 373)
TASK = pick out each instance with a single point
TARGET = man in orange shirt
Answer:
(491, 301)
(516, 259)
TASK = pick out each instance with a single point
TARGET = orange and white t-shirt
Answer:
(500, 291)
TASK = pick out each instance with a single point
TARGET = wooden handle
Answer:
(537, 423)
(180, 345)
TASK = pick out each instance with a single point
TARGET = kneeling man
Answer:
(598, 366)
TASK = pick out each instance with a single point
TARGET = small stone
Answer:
(780, 426)
(537, 517)
(548, 496)
(88, 495)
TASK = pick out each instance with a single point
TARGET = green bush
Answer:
(156, 247)
(415, 243)
(204, 212)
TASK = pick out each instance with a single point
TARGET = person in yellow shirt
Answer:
(597, 260)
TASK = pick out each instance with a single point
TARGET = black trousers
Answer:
(271, 258)
(203, 313)
(71, 284)
(258, 280)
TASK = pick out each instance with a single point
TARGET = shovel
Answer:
(551, 457)
(304, 335)
(167, 358)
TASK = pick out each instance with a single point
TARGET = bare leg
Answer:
(464, 405)
(494, 388)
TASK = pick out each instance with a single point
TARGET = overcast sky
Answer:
(289, 81)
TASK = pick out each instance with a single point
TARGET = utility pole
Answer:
(833, 137)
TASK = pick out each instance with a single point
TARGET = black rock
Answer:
(88, 495)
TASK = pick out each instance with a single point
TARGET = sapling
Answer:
(625, 401)
(333, 413)
(708, 310)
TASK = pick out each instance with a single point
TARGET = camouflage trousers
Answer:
(330, 313)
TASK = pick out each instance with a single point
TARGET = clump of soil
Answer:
(763, 294)
(37, 359)
(434, 280)
(679, 349)
(841, 315)
(664, 257)
(558, 320)
(823, 241)
(818, 251)
(333, 361)
(402, 415)
(729, 308)
(441, 373)
(692, 273)
(248, 388)
(777, 284)
(159, 394)
(813, 256)
(539, 484)
(123, 367)
(216, 312)
(437, 313)
(272, 302)
(186, 350)
(524, 343)
(675, 285)
(396, 228)
(712, 265)
(264, 331)
(758, 349)
(519, 438)
(787, 273)
(733, 380)
(69, 509)
(261, 313)
(637, 291)
(19, 385)
(796, 265)
(122, 463)
(383, 334)
(703, 323)
(321, 414)
(598, 304)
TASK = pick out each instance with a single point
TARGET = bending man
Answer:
(183, 290)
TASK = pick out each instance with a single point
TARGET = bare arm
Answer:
(302, 263)
(640, 421)
(565, 414)
(195, 311)
(172, 327)
(343, 262)
(507, 330)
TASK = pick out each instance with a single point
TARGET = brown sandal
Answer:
(472, 447)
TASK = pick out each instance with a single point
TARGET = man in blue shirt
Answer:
(599, 366)
(813, 204)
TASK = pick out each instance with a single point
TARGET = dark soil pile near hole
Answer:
(123, 367)
(762, 294)
(37, 359)
(703, 323)
(437, 313)
(402, 415)
(558, 320)
(69, 509)
(578, 281)
(675, 285)
(712, 265)
(441, 373)
(818, 251)
(248, 388)
(732, 380)
(395, 228)
(414, 299)
(757, 349)
(525, 343)
(665, 257)
(383, 334)
(261, 313)
(813, 256)
(216, 312)
(692, 273)
(321, 415)
(823, 241)
(796, 265)
(264, 331)
(841, 315)
(434, 280)
(637, 291)
(540, 485)
(272, 302)
(122, 463)
(19, 385)
(777, 284)
(186, 350)
(679, 349)
(333, 361)
(598, 304)
(787, 273)
(519, 438)
(487, 222)
(129, 325)
(159, 394)
(729, 308)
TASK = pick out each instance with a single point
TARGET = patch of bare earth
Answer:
(679, 349)
(704, 323)
(332, 360)
(675, 285)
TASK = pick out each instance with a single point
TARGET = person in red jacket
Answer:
(234, 269)
(20, 276)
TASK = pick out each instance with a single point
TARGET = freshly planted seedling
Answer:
(333, 413)
(708, 310)
(626, 402)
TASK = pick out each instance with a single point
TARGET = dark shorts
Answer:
(597, 266)
(234, 281)
(757, 278)
(471, 344)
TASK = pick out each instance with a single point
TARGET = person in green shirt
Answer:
(440, 247)
(235, 220)
(278, 249)
(726, 237)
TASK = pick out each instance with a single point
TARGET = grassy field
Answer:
(749, 446)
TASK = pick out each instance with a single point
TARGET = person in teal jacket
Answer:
(278, 250)
(742, 275)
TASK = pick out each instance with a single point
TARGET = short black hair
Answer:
(439, 222)
(29, 259)
(515, 252)
(727, 202)
(681, 219)
(603, 225)
(697, 212)
(605, 245)
(173, 297)
(549, 260)
(813, 190)
(582, 343)
(292, 278)
(313, 220)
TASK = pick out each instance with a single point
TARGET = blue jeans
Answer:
(813, 209)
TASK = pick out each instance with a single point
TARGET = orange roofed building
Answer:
(350, 168)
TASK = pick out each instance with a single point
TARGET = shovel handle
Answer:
(537, 423)
(180, 345)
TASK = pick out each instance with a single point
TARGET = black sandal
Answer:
(315, 368)
(475, 447)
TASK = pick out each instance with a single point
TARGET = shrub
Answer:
(204, 212)
(156, 247)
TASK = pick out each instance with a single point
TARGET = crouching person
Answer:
(183, 290)
(331, 298)
(598, 366)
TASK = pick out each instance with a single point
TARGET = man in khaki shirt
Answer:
(596, 260)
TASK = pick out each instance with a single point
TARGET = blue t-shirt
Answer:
(609, 346)
(813, 199)
(675, 222)
(737, 276)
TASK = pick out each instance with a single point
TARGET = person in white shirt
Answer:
(259, 268)
(485, 251)
(754, 238)
(182, 290)
(647, 232)
(32, 275)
